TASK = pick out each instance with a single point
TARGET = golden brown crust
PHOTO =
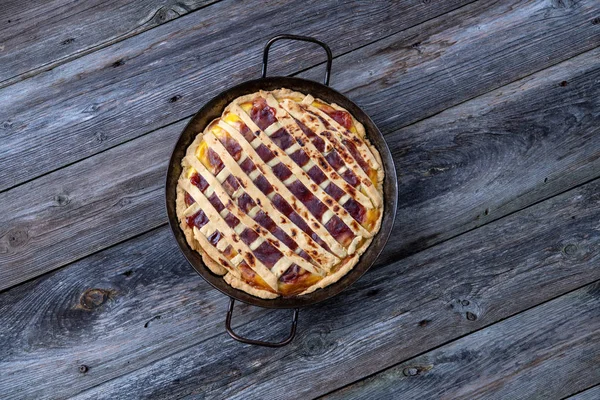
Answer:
(234, 279)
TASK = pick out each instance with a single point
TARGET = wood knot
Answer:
(118, 63)
(92, 108)
(62, 200)
(101, 137)
(416, 370)
(93, 298)
(8, 124)
(570, 249)
(471, 316)
(124, 202)
(317, 343)
(17, 237)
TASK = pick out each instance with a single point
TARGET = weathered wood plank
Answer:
(399, 311)
(392, 314)
(463, 54)
(592, 393)
(39, 35)
(481, 147)
(548, 352)
(113, 311)
(163, 75)
(85, 207)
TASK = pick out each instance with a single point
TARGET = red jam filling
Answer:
(230, 184)
(355, 153)
(264, 153)
(189, 200)
(248, 236)
(282, 138)
(231, 146)
(356, 210)
(339, 230)
(341, 117)
(261, 113)
(334, 191)
(198, 220)
(291, 274)
(316, 174)
(334, 159)
(215, 161)
(351, 178)
(214, 238)
(246, 203)
(247, 165)
(300, 157)
(307, 131)
(267, 254)
(214, 200)
(198, 181)
(263, 184)
(281, 171)
(283, 207)
(246, 132)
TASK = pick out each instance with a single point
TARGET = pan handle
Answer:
(259, 342)
(301, 38)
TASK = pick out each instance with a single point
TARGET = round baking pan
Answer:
(213, 109)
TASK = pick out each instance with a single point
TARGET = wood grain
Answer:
(592, 393)
(165, 74)
(392, 314)
(462, 54)
(547, 352)
(501, 147)
(397, 311)
(39, 35)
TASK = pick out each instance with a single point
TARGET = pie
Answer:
(281, 194)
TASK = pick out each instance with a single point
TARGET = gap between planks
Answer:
(66, 59)
(192, 114)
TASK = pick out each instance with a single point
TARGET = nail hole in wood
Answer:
(150, 320)
(465, 302)
(424, 322)
(564, 83)
(118, 63)
(83, 368)
(128, 273)
(174, 98)
(487, 211)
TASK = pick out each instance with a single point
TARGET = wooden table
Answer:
(488, 288)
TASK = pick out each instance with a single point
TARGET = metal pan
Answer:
(212, 110)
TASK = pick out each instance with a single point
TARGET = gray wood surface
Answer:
(163, 75)
(547, 352)
(488, 288)
(397, 311)
(592, 393)
(509, 134)
(39, 35)
(103, 312)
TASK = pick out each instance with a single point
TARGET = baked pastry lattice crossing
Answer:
(281, 194)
